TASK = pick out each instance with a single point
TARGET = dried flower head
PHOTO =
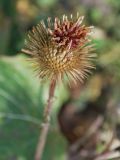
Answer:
(61, 48)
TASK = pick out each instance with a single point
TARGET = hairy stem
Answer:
(45, 127)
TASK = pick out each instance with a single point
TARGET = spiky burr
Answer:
(61, 48)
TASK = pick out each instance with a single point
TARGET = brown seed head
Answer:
(61, 48)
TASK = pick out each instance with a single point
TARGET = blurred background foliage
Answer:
(22, 95)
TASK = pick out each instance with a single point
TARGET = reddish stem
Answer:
(45, 127)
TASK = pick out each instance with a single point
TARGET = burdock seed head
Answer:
(61, 48)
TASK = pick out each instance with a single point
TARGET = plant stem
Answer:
(46, 124)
